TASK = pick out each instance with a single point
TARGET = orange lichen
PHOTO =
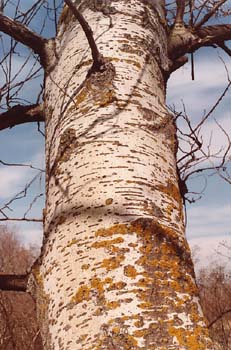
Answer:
(112, 263)
(98, 284)
(112, 305)
(147, 305)
(193, 339)
(117, 285)
(107, 243)
(83, 293)
(116, 229)
(108, 280)
(130, 271)
(141, 333)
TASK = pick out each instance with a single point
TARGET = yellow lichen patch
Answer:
(141, 333)
(116, 330)
(146, 305)
(147, 248)
(109, 201)
(130, 271)
(108, 280)
(112, 305)
(193, 339)
(139, 323)
(83, 293)
(181, 301)
(125, 341)
(144, 282)
(117, 286)
(98, 284)
(159, 274)
(116, 229)
(107, 243)
(112, 263)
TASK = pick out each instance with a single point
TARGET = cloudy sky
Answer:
(209, 219)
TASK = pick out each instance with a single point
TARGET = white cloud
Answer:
(31, 236)
(11, 180)
(207, 221)
(200, 94)
(14, 178)
(205, 251)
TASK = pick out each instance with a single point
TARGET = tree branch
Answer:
(218, 317)
(21, 114)
(209, 14)
(214, 34)
(98, 60)
(19, 219)
(180, 11)
(17, 283)
(24, 35)
(187, 41)
(225, 48)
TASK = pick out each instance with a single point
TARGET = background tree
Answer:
(18, 326)
(114, 250)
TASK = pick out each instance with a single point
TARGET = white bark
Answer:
(115, 270)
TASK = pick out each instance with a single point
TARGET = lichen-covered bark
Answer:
(115, 271)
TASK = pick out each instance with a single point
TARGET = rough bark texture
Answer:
(115, 271)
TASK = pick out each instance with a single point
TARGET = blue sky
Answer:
(209, 219)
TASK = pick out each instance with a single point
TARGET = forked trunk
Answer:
(115, 271)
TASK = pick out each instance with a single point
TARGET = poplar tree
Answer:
(115, 270)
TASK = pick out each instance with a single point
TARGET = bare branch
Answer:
(207, 115)
(213, 34)
(225, 48)
(219, 317)
(98, 60)
(13, 282)
(20, 115)
(189, 40)
(209, 14)
(21, 165)
(24, 35)
(20, 219)
(180, 11)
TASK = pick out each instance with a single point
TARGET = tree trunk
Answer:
(115, 271)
